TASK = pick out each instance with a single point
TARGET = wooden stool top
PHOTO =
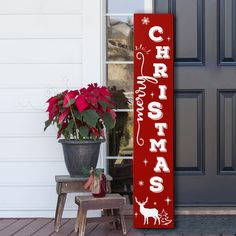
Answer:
(68, 178)
(113, 196)
(110, 201)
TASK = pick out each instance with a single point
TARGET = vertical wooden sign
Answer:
(153, 121)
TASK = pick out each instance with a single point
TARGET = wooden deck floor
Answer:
(44, 227)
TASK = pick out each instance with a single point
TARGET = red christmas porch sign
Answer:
(153, 121)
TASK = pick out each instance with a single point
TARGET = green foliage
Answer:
(90, 117)
(71, 102)
(84, 131)
(77, 115)
(108, 120)
(47, 124)
(103, 104)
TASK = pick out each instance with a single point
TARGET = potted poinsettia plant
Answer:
(81, 117)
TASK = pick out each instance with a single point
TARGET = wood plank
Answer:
(89, 228)
(29, 169)
(184, 234)
(159, 234)
(65, 51)
(49, 228)
(129, 222)
(102, 230)
(6, 222)
(211, 235)
(66, 229)
(15, 227)
(40, 26)
(34, 114)
(130, 230)
(115, 232)
(33, 227)
(174, 234)
(44, 195)
(45, 76)
(30, 148)
(67, 178)
(135, 232)
(41, 7)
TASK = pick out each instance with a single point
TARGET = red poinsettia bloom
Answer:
(63, 115)
(82, 113)
(69, 96)
(53, 107)
(81, 103)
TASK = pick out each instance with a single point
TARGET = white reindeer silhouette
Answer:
(148, 212)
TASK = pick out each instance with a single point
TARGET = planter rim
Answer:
(81, 142)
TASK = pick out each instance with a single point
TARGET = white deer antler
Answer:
(137, 201)
(145, 201)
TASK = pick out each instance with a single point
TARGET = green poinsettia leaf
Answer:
(77, 115)
(103, 104)
(90, 117)
(47, 123)
(84, 131)
(70, 126)
(60, 102)
(109, 123)
(71, 102)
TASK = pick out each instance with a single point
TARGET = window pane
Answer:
(120, 82)
(121, 136)
(125, 6)
(122, 172)
(120, 38)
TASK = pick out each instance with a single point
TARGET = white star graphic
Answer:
(168, 38)
(145, 21)
(145, 162)
(140, 183)
(152, 94)
(136, 214)
(168, 200)
(155, 203)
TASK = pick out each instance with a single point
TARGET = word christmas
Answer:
(153, 121)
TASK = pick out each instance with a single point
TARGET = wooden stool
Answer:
(67, 184)
(109, 202)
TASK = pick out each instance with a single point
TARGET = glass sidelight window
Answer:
(119, 54)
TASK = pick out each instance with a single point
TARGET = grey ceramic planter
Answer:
(80, 155)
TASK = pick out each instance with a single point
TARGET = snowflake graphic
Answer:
(145, 21)
(168, 200)
(140, 183)
(145, 162)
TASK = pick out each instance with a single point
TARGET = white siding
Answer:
(34, 7)
(41, 26)
(40, 76)
(46, 46)
(40, 51)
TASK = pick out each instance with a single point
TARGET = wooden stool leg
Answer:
(83, 223)
(122, 218)
(116, 223)
(78, 220)
(60, 207)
